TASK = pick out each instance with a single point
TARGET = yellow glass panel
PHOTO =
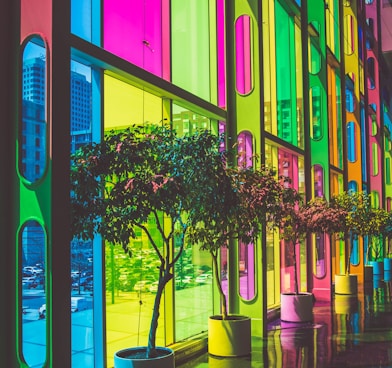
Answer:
(125, 105)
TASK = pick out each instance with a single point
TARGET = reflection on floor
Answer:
(349, 332)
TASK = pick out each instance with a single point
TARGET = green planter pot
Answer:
(229, 337)
(133, 358)
(346, 284)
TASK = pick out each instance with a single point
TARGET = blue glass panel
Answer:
(363, 140)
(354, 259)
(32, 276)
(81, 18)
(351, 149)
(32, 144)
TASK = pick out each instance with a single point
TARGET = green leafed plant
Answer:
(148, 171)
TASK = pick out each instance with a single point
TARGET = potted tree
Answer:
(295, 306)
(387, 233)
(300, 219)
(136, 174)
(378, 221)
(357, 223)
(254, 197)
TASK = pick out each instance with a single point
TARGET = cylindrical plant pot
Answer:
(368, 273)
(135, 358)
(296, 307)
(378, 281)
(346, 284)
(387, 264)
(378, 267)
(387, 276)
(346, 304)
(229, 337)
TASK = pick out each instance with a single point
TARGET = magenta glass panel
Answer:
(133, 31)
(318, 181)
(221, 53)
(152, 36)
(246, 268)
(166, 40)
(245, 149)
(243, 55)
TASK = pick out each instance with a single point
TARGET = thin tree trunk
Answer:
(151, 347)
(296, 281)
(219, 284)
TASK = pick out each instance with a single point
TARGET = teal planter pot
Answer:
(378, 267)
(133, 358)
(387, 264)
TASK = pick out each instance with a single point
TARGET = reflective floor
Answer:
(349, 332)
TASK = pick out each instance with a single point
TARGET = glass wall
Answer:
(193, 281)
(83, 279)
(32, 236)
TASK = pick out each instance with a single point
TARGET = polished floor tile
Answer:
(348, 332)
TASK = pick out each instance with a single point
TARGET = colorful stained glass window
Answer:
(315, 113)
(351, 146)
(243, 47)
(33, 305)
(33, 127)
(191, 47)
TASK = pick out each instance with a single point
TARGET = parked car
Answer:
(30, 282)
(77, 304)
(203, 278)
(33, 269)
(153, 287)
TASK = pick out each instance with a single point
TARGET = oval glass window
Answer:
(314, 50)
(32, 276)
(245, 150)
(243, 54)
(349, 32)
(32, 128)
(318, 177)
(315, 112)
(246, 270)
(319, 254)
(351, 142)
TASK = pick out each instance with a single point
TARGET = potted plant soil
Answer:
(136, 174)
(253, 196)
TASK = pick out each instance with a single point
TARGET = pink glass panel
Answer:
(133, 31)
(245, 149)
(246, 270)
(221, 53)
(243, 55)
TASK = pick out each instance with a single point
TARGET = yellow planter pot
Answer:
(346, 304)
(230, 337)
(346, 284)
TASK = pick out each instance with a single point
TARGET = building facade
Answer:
(304, 85)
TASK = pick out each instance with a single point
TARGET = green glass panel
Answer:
(339, 120)
(315, 113)
(193, 272)
(285, 75)
(190, 44)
